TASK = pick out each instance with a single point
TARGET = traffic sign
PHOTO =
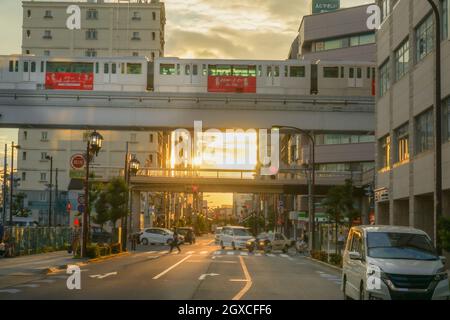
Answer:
(77, 161)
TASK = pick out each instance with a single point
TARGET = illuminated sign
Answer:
(321, 6)
(229, 84)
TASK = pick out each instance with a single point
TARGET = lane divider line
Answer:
(248, 284)
(170, 268)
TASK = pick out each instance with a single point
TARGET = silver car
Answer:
(390, 263)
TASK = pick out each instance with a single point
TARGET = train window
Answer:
(204, 70)
(42, 66)
(122, 68)
(373, 73)
(16, 66)
(259, 71)
(167, 69)
(297, 71)
(33, 66)
(269, 71)
(286, 72)
(331, 72)
(187, 69)
(359, 73)
(277, 71)
(244, 71)
(113, 68)
(134, 68)
(342, 72)
(106, 68)
(351, 73)
(11, 66)
(25, 66)
(195, 70)
(368, 72)
(96, 67)
(220, 70)
(178, 69)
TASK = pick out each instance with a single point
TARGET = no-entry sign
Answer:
(77, 161)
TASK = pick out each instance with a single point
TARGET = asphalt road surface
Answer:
(200, 272)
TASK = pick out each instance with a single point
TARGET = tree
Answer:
(117, 199)
(102, 210)
(338, 205)
(18, 207)
(444, 233)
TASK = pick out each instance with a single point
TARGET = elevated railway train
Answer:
(138, 74)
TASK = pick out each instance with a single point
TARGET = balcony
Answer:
(136, 38)
(49, 37)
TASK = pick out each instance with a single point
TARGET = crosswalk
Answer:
(335, 279)
(217, 253)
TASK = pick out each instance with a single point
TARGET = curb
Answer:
(325, 264)
(83, 263)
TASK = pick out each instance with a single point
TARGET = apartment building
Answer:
(114, 28)
(37, 145)
(405, 114)
(324, 36)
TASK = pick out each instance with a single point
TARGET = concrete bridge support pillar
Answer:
(135, 211)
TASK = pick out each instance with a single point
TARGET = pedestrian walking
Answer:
(175, 241)
(133, 240)
(74, 240)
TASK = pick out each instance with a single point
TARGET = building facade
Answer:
(36, 145)
(132, 28)
(405, 114)
(324, 36)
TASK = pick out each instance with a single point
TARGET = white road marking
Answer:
(60, 277)
(244, 254)
(28, 286)
(258, 254)
(238, 280)
(231, 253)
(222, 261)
(151, 252)
(218, 252)
(203, 276)
(10, 291)
(99, 276)
(270, 255)
(164, 252)
(284, 255)
(248, 283)
(170, 268)
(204, 252)
(190, 252)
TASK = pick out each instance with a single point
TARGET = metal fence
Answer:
(33, 240)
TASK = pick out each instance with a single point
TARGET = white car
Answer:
(217, 235)
(235, 237)
(157, 236)
(390, 263)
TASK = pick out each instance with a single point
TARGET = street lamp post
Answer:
(131, 168)
(11, 187)
(311, 185)
(438, 125)
(5, 173)
(50, 186)
(93, 146)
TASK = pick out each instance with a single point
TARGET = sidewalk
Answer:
(35, 264)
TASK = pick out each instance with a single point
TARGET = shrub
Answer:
(92, 251)
(115, 248)
(336, 259)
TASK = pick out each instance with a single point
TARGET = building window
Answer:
(43, 195)
(133, 137)
(29, 13)
(48, 14)
(385, 152)
(362, 40)
(424, 131)
(424, 38)
(47, 34)
(25, 135)
(445, 16)
(151, 159)
(340, 138)
(135, 54)
(92, 14)
(43, 178)
(91, 53)
(153, 36)
(28, 34)
(385, 9)
(91, 34)
(136, 16)
(24, 156)
(46, 53)
(136, 36)
(44, 136)
(402, 144)
(402, 60)
(44, 156)
(24, 176)
(27, 52)
(153, 56)
(151, 137)
(385, 83)
(154, 15)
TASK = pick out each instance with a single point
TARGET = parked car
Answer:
(217, 235)
(100, 236)
(390, 263)
(269, 241)
(235, 237)
(187, 233)
(158, 236)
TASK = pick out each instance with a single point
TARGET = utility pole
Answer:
(11, 187)
(56, 197)
(5, 172)
(50, 187)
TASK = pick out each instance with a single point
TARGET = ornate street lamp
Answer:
(94, 144)
(134, 166)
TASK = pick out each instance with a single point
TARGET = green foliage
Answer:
(18, 207)
(339, 203)
(444, 233)
(255, 223)
(117, 199)
(101, 210)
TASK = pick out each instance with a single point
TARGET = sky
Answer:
(233, 29)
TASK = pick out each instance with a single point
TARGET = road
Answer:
(200, 272)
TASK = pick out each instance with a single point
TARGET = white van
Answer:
(235, 237)
(390, 263)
